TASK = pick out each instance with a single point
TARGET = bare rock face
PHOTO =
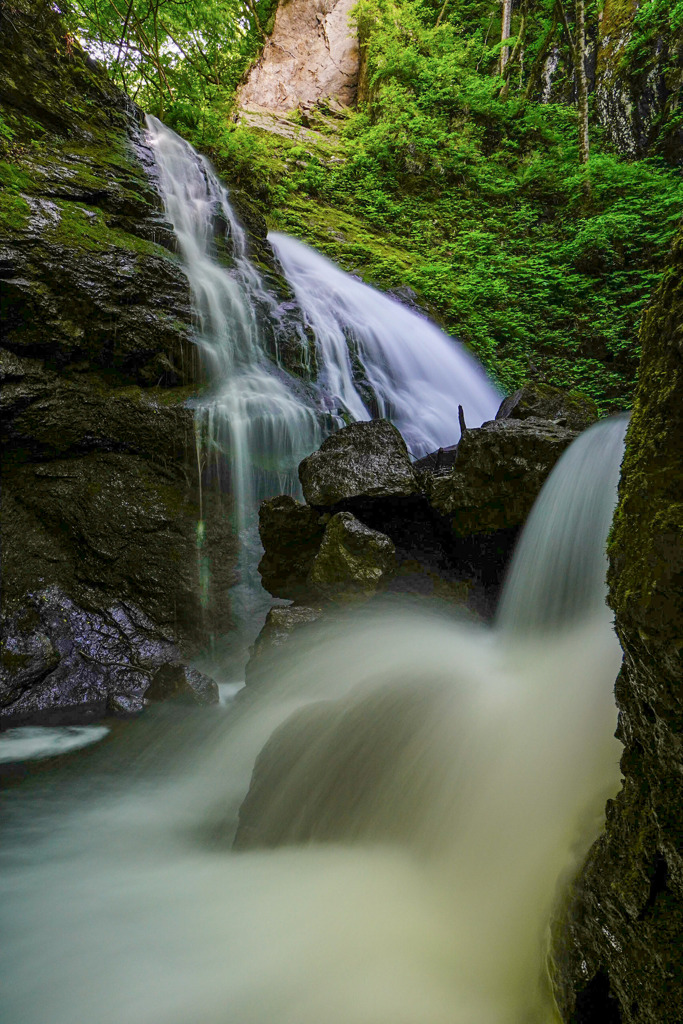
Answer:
(312, 55)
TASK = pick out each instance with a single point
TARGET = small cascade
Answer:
(378, 358)
(557, 574)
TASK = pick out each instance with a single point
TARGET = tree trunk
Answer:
(505, 33)
(582, 83)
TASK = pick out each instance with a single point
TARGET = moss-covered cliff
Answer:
(100, 492)
(619, 954)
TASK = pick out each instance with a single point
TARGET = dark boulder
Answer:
(570, 409)
(368, 459)
(176, 681)
(499, 471)
(291, 534)
(280, 625)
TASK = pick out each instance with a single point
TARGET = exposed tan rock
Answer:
(312, 55)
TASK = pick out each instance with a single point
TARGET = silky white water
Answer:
(258, 420)
(481, 760)
(408, 371)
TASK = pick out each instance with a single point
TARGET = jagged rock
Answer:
(61, 662)
(291, 534)
(570, 409)
(311, 55)
(368, 459)
(618, 941)
(177, 681)
(353, 560)
(499, 471)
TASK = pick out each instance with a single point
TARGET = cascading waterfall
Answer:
(258, 419)
(458, 767)
(407, 370)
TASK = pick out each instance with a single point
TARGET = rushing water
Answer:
(462, 771)
(258, 420)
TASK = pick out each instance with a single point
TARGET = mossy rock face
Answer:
(100, 487)
(353, 561)
(638, 81)
(621, 933)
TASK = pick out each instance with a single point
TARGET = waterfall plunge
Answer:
(496, 754)
(484, 752)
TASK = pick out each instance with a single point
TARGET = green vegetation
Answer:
(455, 181)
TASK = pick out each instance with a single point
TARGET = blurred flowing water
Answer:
(373, 357)
(458, 773)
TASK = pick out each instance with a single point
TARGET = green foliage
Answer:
(173, 56)
(477, 203)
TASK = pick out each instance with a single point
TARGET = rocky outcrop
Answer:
(100, 490)
(639, 79)
(311, 55)
(536, 400)
(618, 942)
(376, 524)
(498, 473)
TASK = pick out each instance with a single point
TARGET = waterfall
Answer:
(557, 574)
(257, 419)
(462, 773)
(407, 370)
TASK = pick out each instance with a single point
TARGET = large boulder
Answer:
(176, 681)
(364, 459)
(353, 561)
(570, 409)
(499, 470)
(619, 941)
(291, 534)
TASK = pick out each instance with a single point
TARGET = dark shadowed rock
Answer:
(176, 681)
(499, 471)
(291, 534)
(353, 560)
(619, 940)
(570, 409)
(60, 662)
(369, 459)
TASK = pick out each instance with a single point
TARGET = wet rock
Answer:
(498, 474)
(353, 560)
(100, 484)
(279, 627)
(619, 937)
(570, 409)
(65, 663)
(291, 534)
(177, 681)
(368, 459)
